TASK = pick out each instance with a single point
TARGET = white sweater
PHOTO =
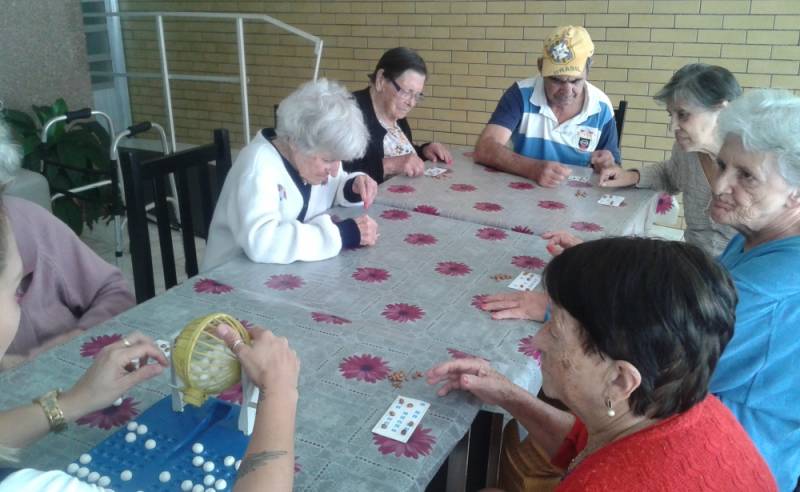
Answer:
(258, 208)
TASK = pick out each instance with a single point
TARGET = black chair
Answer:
(619, 117)
(194, 182)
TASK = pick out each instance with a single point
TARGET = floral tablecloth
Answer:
(480, 194)
(403, 305)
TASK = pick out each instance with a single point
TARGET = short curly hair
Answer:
(664, 306)
(9, 156)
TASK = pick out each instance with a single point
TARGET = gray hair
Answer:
(322, 117)
(767, 120)
(9, 156)
(702, 85)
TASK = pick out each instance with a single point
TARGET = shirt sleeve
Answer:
(609, 140)
(663, 175)
(508, 113)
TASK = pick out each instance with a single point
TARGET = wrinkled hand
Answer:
(602, 159)
(109, 376)
(409, 165)
(473, 375)
(268, 360)
(616, 176)
(367, 188)
(558, 241)
(368, 229)
(516, 305)
(437, 152)
(550, 174)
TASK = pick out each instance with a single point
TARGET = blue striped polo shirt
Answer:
(535, 130)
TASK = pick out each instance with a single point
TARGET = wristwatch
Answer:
(54, 414)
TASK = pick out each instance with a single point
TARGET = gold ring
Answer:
(126, 342)
(236, 345)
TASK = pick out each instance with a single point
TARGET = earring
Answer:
(609, 409)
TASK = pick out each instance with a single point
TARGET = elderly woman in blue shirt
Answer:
(756, 190)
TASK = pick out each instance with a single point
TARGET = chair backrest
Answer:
(152, 174)
(619, 116)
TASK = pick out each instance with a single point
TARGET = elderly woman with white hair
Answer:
(273, 201)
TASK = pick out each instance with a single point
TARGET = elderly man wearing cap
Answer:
(554, 119)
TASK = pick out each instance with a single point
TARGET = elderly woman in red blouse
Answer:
(637, 328)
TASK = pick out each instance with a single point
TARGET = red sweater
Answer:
(704, 448)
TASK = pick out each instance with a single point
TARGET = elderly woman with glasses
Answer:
(638, 326)
(273, 203)
(395, 87)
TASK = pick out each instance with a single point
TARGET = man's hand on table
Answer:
(436, 152)
(408, 165)
(602, 159)
(550, 174)
(368, 229)
(367, 188)
(474, 375)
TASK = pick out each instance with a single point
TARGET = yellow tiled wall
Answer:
(474, 50)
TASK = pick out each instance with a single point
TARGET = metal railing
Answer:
(166, 76)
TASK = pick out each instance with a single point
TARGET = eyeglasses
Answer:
(407, 94)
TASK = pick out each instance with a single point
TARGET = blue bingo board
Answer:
(214, 426)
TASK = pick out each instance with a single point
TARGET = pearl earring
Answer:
(609, 409)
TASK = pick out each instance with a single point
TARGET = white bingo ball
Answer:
(150, 444)
(82, 472)
(132, 425)
(164, 476)
(229, 461)
(210, 489)
(220, 484)
(198, 488)
(197, 448)
(186, 485)
(130, 437)
(72, 468)
(238, 464)
(209, 479)
(85, 458)
(198, 461)
(104, 481)
(126, 475)
(208, 466)
(142, 429)
(118, 402)
(93, 477)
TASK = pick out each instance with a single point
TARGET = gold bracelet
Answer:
(54, 414)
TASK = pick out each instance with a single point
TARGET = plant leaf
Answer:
(70, 213)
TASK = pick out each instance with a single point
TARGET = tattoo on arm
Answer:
(257, 460)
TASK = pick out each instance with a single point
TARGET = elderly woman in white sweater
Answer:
(273, 203)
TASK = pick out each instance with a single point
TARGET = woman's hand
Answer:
(602, 159)
(558, 241)
(368, 229)
(109, 377)
(367, 188)
(436, 152)
(409, 165)
(268, 360)
(517, 305)
(473, 375)
(617, 177)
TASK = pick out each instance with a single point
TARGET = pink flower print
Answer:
(528, 262)
(426, 209)
(457, 354)
(579, 184)
(491, 234)
(488, 207)
(394, 214)
(297, 466)
(664, 204)
(522, 229)
(209, 286)
(371, 275)
(365, 367)
(521, 185)
(401, 189)
(232, 394)
(551, 205)
(478, 300)
(111, 416)
(527, 347)
(462, 187)
(403, 313)
(420, 239)
(247, 324)
(586, 226)
(284, 282)
(96, 344)
(329, 318)
(419, 444)
(453, 268)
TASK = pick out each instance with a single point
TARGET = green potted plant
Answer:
(80, 145)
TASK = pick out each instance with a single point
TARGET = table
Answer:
(483, 195)
(405, 304)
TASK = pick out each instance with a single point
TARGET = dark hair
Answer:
(666, 307)
(396, 61)
(704, 85)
